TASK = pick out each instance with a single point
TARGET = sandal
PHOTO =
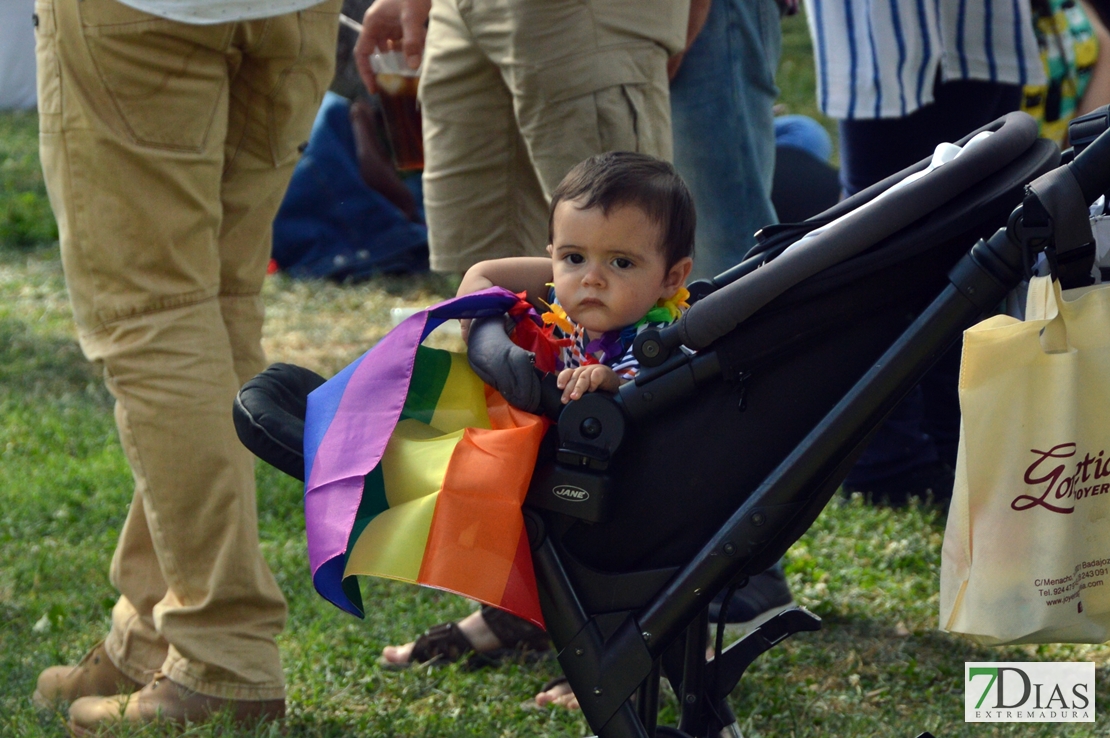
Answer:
(445, 643)
(554, 682)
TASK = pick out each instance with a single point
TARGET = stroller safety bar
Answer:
(1090, 167)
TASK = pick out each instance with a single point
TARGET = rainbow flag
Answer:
(416, 470)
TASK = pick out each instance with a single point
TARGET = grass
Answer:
(879, 667)
(25, 217)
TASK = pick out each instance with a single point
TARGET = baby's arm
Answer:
(518, 274)
(589, 378)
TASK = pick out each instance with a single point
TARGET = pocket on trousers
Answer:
(166, 79)
(48, 74)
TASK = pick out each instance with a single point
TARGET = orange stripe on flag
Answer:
(520, 596)
(476, 532)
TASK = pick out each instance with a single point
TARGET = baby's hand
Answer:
(589, 378)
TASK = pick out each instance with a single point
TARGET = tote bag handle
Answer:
(1043, 303)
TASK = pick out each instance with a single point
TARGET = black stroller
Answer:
(772, 383)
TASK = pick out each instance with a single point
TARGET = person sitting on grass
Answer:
(621, 232)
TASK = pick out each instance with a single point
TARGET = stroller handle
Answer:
(1055, 210)
(1089, 167)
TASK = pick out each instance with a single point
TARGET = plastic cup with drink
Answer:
(397, 91)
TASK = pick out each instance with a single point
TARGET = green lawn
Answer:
(879, 667)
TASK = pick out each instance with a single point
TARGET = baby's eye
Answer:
(575, 258)
(622, 263)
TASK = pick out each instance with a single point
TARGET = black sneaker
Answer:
(764, 596)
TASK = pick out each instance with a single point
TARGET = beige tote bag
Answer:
(1026, 555)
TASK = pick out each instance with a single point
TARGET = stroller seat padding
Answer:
(502, 364)
(269, 415)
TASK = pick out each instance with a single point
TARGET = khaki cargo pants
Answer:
(516, 92)
(167, 148)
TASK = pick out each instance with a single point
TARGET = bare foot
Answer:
(473, 626)
(559, 694)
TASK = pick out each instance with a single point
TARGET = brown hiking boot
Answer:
(94, 675)
(166, 700)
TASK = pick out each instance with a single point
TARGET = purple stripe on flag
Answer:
(326, 398)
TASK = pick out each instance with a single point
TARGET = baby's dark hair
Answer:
(626, 178)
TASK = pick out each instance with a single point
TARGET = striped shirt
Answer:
(880, 58)
(575, 355)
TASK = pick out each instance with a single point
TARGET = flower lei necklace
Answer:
(612, 344)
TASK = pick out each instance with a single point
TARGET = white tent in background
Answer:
(17, 54)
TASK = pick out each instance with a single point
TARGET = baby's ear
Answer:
(677, 275)
(550, 249)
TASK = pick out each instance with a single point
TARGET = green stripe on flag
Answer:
(372, 504)
(429, 375)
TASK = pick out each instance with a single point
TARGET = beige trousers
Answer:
(167, 148)
(516, 92)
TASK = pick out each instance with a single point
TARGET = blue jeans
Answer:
(724, 140)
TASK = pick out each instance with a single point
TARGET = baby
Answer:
(621, 234)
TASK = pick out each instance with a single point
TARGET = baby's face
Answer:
(609, 268)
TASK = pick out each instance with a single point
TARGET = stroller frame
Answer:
(616, 633)
(613, 668)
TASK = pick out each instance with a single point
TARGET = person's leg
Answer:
(264, 134)
(473, 629)
(134, 642)
(479, 638)
(724, 139)
(134, 650)
(481, 197)
(142, 253)
(981, 103)
(764, 596)
(557, 692)
(941, 400)
(582, 81)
